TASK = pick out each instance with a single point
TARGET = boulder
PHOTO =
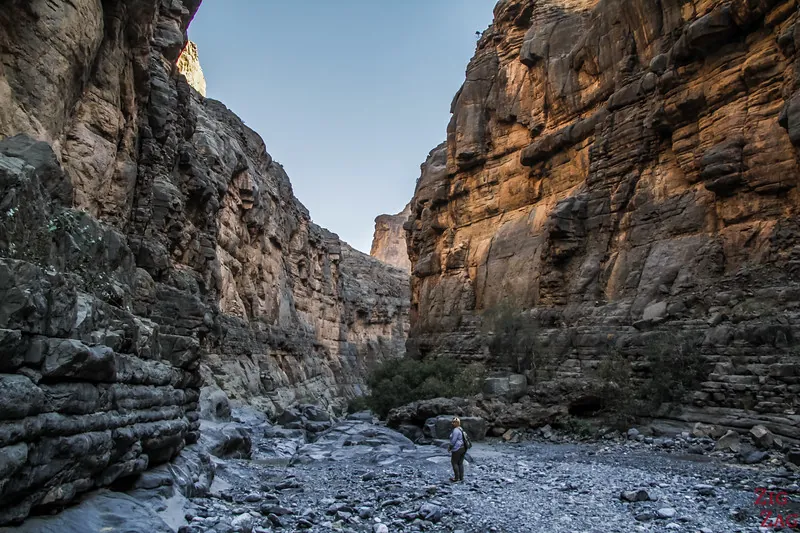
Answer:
(413, 433)
(513, 436)
(701, 430)
(438, 427)
(417, 413)
(762, 436)
(214, 405)
(315, 413)
(729, 441)
(229, 440)
(364, 416)
(289, 416)
(509, 386)
(475, 427)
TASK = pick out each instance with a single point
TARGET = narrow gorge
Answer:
(612, 220)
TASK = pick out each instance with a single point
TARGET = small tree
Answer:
(514, 342)
(675, 368)
(398, 382)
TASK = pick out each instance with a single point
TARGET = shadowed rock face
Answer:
(617, 170)
(389, 241)
(148, 243)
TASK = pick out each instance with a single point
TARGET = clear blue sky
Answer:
(349, 95)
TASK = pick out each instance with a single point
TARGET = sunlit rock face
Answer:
(389, 240)
(189, 66)
(149, 244)
(619, 170)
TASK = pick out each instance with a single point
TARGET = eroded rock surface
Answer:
(148, 243)
(389, 240)
(619, 170)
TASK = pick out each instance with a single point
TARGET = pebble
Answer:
(667, 512)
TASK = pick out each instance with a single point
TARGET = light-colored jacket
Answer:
(456, 439)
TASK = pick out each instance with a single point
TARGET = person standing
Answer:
(457, 451)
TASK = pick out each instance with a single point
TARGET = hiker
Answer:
(457, 450)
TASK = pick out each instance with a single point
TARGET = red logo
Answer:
(771, 518)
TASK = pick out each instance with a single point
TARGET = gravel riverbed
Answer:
(362, 477)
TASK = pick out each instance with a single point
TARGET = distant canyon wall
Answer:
(620, 173)
(189, 66)
(389, 240)
(149, 244)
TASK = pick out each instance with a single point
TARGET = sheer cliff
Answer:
(389, 240)
(149, 244)
(624, 174)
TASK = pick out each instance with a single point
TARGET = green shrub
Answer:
(515, 342)
(671, 370)
(617, 390)
(674, 370)
(576, 426)
(357, 404)
(398, 382)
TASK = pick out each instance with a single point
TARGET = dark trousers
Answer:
(457, 460)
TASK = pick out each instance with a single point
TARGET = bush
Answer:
(674, 369)
(577, 426)
(395, 382)
(357, 404)
(671, 370)
(617, 390)
(515, 343)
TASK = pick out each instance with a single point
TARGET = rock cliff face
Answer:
(389, 241)
(617, 171)
(148, 241)
(189, 66)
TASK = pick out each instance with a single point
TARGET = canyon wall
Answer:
(624, 174)
(149, 244)
(189, 66)
(389, 240)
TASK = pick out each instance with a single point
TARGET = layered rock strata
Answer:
(621, 170)
(389, 240)
(148, 241)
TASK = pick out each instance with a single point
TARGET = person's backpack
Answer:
(467, 442)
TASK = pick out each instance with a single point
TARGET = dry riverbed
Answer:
(362, 477)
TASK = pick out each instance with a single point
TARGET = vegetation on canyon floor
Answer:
(515, 342)
(634, 386)
(630, 382)
(394, 383)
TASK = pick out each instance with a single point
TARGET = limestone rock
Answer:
(214, 405)
(511, 386)
(762, 436)
(729, 441)
(417, 413)
(389, 240)
(605, 171)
